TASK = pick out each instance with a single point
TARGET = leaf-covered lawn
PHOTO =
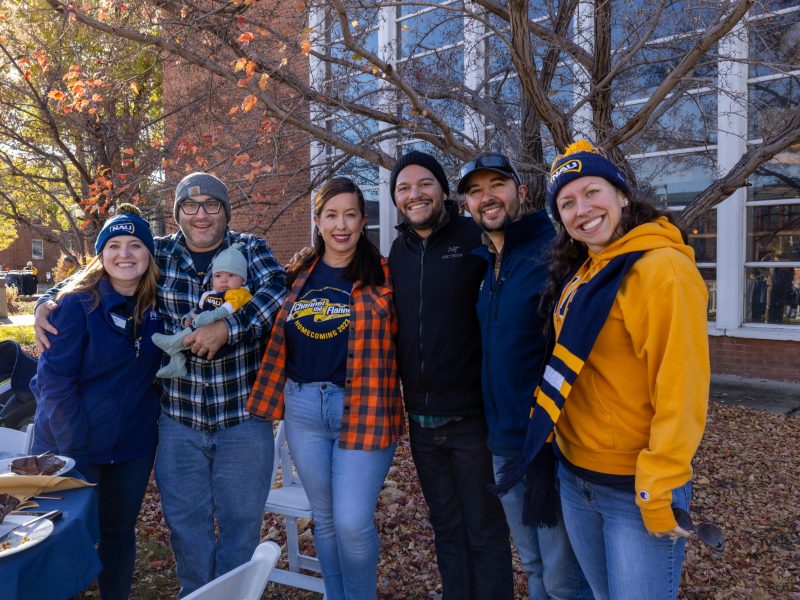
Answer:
(746, 480)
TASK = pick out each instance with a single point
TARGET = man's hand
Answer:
(299, 256)
(206, 341)
(41, 326)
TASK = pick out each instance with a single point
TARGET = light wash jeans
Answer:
(621, 560)
(545, 552)
(208, 475)
(342, 488)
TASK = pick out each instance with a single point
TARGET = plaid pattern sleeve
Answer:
(373, 415)
(214, 393)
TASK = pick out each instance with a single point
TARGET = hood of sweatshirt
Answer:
(649, 236)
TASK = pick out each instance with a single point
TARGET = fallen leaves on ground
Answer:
(746, 481)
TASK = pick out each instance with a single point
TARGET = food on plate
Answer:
(7, 504)
(46, 464)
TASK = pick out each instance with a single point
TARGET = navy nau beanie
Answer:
(126, 221)
(581, 159)
(423, 159)
(201, 184)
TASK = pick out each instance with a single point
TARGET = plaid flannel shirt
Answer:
(373, 409)
(213, 395)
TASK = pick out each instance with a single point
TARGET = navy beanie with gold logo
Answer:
(581, 159)
(127, 221)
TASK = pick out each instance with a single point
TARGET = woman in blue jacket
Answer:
(96, 400)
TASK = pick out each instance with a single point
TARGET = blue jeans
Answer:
(342, 488)
(120, 490)
(619, 557)
(208, 475)
(473, 552)
(545, 552)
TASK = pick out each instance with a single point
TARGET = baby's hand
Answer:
(186, 320)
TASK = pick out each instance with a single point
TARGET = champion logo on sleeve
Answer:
(644, 495)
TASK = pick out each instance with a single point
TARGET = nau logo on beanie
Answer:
(573, 166)
(122, 228)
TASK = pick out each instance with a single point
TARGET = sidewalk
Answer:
(17, 320)
(780, 398)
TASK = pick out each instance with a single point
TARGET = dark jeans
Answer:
(471, 535)
(120, 490)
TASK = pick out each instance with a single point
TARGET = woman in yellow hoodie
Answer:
(627, 387)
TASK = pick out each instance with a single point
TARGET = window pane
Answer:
(771, 102)
(773, 233)
(431, 30)
(769, 40)
(37, 249)
(690, 123)
(702, 236)
(675, 180)
(778, 179)
(710, 277)
(772, 295)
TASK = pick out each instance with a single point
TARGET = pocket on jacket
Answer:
(599, 418)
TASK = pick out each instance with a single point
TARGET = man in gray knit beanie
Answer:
(201, 184)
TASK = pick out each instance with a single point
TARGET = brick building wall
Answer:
(227, 142)
(20, 252)
(759, 359)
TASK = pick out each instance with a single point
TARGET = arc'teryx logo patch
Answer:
(122, 227)
(453, 252)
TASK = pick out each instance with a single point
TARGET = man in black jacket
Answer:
(436, 279)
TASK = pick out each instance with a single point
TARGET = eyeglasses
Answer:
(709, 534)
(490, 161)
(190, 207)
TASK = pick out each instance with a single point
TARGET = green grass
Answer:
(22, 334)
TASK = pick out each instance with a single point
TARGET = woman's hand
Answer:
(673, 534)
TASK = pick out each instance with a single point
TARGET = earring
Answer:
(624, 204)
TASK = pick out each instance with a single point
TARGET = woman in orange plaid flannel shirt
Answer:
(330, 372)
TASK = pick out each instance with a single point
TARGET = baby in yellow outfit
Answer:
(228, 294)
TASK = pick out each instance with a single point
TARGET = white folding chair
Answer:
(28, 438)
(291, 502)
(13, 442)
(245, 582)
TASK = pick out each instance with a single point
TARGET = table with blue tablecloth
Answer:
(64, 564)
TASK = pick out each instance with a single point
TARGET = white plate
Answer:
(39, 532)
(5, 465)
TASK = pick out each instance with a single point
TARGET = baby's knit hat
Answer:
(231, 260)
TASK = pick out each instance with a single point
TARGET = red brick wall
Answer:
(760, 359)
(274, 206)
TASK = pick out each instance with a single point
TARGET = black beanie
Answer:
(423, 159)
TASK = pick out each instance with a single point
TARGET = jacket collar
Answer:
(526, 229)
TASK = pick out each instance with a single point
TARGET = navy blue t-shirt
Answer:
(317, 328)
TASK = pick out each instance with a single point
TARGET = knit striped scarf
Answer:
(589, 308)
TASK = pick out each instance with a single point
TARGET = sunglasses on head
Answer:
(708, 533)
(191, 207)
(490, 161)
